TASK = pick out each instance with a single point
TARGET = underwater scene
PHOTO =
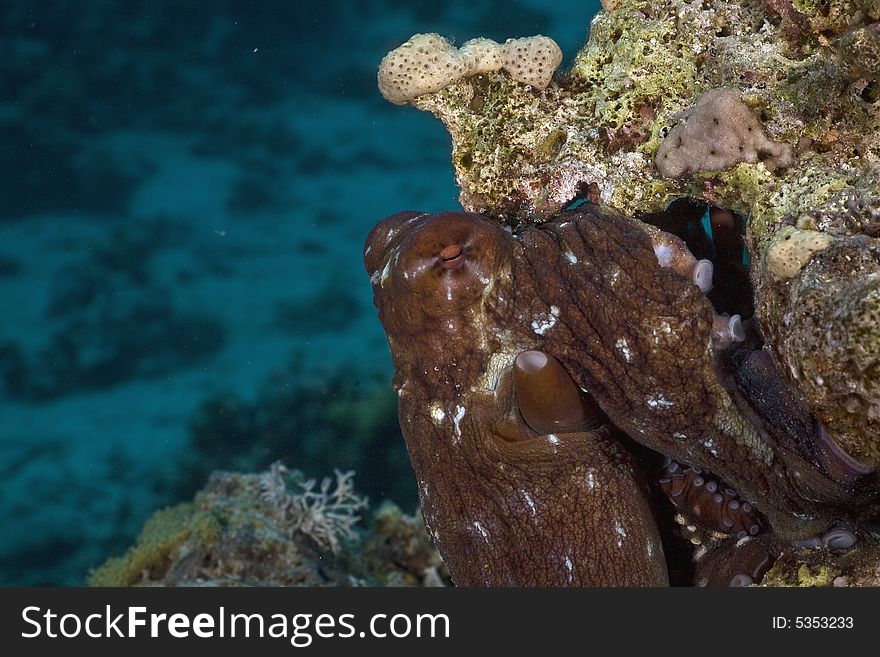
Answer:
(396, 293)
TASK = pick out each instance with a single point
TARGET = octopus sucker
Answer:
(726, 330)
(704, 501)
(612, 352)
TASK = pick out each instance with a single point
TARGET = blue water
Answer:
(185, 193)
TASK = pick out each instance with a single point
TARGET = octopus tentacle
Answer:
(672, 252)
(738, 561)
(707, 502)
(839, 537)
(726, 330)
(836, 461)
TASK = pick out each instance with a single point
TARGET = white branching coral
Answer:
(326, 514)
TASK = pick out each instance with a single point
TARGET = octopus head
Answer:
(440, 267)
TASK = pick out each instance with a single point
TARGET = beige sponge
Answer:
(424, 64)
(790, 249)
(429, 62)
(718, 132)
(485, 53)
(531, 60)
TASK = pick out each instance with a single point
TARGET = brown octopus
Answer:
(528, 362)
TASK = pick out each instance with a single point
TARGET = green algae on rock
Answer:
(644, 64)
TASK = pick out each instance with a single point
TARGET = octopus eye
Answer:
(452, 257)
(446, 261)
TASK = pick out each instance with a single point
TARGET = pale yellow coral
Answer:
(486, 55)
(790, 249)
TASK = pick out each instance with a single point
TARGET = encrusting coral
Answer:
(766, 407)
(276, 529)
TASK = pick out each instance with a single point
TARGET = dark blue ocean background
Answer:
(185, 191)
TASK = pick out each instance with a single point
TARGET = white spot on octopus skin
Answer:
(541, 326)
(482, 531)
(571, 257)
(621, 533)
(385, 272)
(623, 347)
(591, 480)
(658, 401)
(456, 419)
(710, 445)
(437, 414)
(569, 567)
(553, 439)
(678, 435)
(530, 502)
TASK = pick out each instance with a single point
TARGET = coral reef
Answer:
(276, 529)
(763, 113)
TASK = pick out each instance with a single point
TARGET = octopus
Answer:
(565, 389)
